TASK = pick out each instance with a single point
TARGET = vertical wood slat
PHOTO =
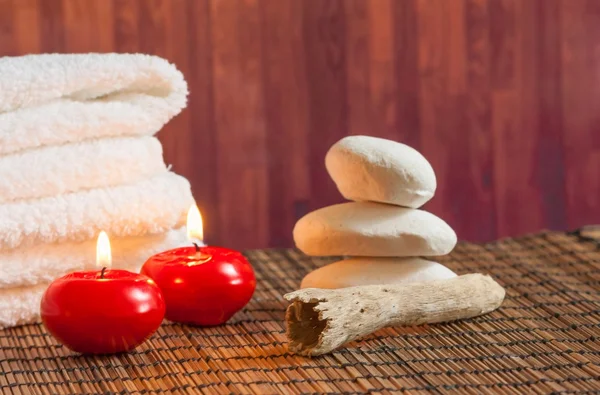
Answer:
(550, 166)
(502, 43)
(225, 105)
(382, 79)
(500, 95)
(202, 139)
(126, 27)
(177, 138)
(154, 20)
(432, 96)
(516, 110)
(287, 117)
(407, 78)
(580, 56)
(51, 26)
(479, 184)
(325, 46)
(25, 28)
(252, 142)
(239, 122)
(358, 92)
(82, 20)
(455, 114)
(509, 58)
(7, 44)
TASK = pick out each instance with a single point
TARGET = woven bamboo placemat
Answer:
(544, 339)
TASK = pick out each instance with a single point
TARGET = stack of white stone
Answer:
(382, 231)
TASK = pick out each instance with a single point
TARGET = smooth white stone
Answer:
(368, 168)
(373, 271)
(373, 229)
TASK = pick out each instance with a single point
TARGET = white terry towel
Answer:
(57, 170)
(45, 262)
(21, 305)
(151, 206)
(53, 99)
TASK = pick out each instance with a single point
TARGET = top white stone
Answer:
(368, 168)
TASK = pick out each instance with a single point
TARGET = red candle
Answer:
(202, 285)
(103, 311)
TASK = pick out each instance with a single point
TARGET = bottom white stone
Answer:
(373, 271)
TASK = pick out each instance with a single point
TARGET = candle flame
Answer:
(195, 230)
(103, 253)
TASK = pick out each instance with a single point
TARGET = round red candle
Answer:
(102, 311)
(202, 285)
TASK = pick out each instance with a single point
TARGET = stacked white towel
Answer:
(77, 156)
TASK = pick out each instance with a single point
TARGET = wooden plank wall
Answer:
(503, 97)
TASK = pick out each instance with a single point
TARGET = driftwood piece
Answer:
(320, 320)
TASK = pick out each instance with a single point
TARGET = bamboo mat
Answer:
(544, 339)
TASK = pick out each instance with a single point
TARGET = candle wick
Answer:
(102, 272)
(197, 247)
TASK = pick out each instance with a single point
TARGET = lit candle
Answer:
(202, 285)
(102, 311)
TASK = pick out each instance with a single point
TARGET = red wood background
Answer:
(502, 96)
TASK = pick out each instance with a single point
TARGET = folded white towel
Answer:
(20, 306)
(43, 263)
(57, 170)
(53, 99)
(154, 205)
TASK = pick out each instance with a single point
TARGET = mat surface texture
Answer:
(544, 339)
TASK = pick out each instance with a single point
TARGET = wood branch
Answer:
(321, 320)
